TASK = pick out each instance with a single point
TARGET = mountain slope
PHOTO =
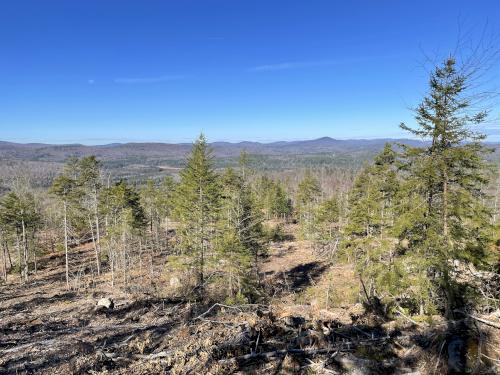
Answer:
(58, 153)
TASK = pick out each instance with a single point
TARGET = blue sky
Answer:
(96, 72)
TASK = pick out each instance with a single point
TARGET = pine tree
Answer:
(19, 214)
(89, 181)
(150, 201)
(166, 202)
(197, 207)
(327, 218)
(308, 196)
(243, 163)
(127, 221)
(450, 223)
(272, 198)
(370, 241)
(280, 203)
(241, 236)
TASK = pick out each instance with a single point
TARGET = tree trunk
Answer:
(33, 239)
(4, 255)
(25, 251)
(66, 243)
(18, 245)
(112, 260)
(166, 233)
(95, 246)
(124, 246)
(140, 257)
(6, 245)
(98, 234)
(157, 235)
(4, 262)
(201, 275)
(151, 264)
(445, 204)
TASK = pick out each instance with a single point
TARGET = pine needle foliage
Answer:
(446, 222)
(197, 204)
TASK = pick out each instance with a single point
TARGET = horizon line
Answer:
(232, 142)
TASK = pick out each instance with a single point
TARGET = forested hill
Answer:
(57, 153)
(140, 161)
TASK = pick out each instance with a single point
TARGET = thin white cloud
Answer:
(291, 65)
(307, 64)
(142, 80)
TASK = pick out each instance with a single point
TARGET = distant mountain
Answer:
(140, 161)
(117, 151)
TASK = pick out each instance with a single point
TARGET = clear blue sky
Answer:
(100, 71)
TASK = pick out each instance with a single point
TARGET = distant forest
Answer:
(138, 162)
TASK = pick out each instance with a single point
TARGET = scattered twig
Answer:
(408, 318)
(368, 299)
(276, 353)
(162, 354)
(218, 322)
(363, 332)
(342, 347)
(484, 321)
(257, 342)
(481, 320)
(439, 356)
(216, 305)
(491, 359)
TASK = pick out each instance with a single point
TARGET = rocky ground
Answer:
(46, 329)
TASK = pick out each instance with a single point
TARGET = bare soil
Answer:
(47, 329)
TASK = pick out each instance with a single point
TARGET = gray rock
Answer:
(106, 303)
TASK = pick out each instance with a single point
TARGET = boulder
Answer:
(106, 303)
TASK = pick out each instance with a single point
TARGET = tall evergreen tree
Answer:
(89, 181)
(150, 201)
(281, 204)
(241, 235)
(327, 218)
(272, 198)
(197, 208)
(127, 221)
(448, 175)
(308, 196)
(166, 201)
(370, 241)
(18, 214)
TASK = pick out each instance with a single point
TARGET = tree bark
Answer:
(33, 240)
(98, 233)
(25, 251)
(445, 204)
(94, 243)
(4, 262)
(66, 243)
(18, 245)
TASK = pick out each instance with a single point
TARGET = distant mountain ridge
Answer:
(57, 153)
(117, 151)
